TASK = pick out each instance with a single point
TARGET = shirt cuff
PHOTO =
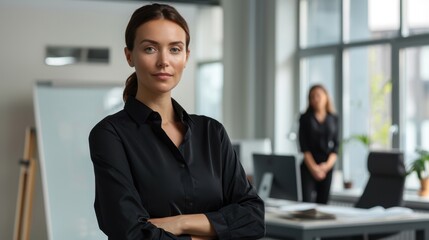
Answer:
(219, 224)
(185, 237)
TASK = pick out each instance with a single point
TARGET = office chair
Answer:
(385, 186)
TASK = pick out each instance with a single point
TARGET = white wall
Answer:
(260, 40)
(26, 28)
(249, 68)
(287, 83)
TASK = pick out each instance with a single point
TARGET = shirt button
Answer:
(191, 204)
(182, 165)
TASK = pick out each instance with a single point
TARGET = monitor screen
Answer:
(281, 172)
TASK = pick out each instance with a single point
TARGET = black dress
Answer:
(320, 139)
(140, 174)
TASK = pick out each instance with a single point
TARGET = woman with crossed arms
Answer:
(160, 172)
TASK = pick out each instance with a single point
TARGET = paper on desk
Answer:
(343, 213)
(354, 213)
(340, 212)
(285, 206)
(297, 207)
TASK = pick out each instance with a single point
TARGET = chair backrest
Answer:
(386, 183)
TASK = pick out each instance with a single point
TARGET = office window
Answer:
(209, 45)
(377, 64)
(319, 22)
(209, 93)
(415, 97)
(417, 17)
(370, 19)
(367, 105)
(316, 70)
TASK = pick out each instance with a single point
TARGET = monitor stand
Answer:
(265, 185)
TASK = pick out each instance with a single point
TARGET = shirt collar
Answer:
(142, 113)
(181, 113)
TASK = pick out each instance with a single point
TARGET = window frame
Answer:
(397, 44)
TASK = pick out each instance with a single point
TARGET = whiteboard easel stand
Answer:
(24, 204)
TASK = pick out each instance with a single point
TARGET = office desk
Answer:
(278, 227)
(411, 198)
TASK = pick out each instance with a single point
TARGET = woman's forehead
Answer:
(161, 30)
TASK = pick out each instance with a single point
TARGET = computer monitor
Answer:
(245, 148)
(277, 176)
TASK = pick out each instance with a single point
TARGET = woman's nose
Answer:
(162, 60)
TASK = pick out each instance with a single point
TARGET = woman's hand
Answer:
(201, 238)
(318, 173)
(324, 166)
(170, 224)
(315, 170)
(196, 225)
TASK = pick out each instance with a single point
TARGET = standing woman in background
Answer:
(318, 140)
(161, 173)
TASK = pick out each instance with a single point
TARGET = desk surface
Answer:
(278, 226)
(338, 193)
(411, 199)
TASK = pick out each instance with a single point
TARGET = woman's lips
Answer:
(162, 76)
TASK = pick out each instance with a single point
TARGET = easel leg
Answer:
(26, 188)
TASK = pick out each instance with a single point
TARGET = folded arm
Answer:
(118, 207)
(242, 215)
(196, 225)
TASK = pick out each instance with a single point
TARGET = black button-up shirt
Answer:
(320, 138)
(140, 174)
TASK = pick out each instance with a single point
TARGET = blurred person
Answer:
(318, 140)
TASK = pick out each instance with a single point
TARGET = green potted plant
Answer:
(362, 138)
(420, 166)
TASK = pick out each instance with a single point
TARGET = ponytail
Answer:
(130, 87)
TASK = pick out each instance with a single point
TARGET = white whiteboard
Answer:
(65, 114)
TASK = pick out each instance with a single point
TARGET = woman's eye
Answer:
(149, 50)
(175, 50)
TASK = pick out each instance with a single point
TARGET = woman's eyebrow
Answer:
(157, 43)
(149, 41)
(177, 43)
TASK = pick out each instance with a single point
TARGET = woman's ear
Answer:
(128, 55)
(188, 52)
